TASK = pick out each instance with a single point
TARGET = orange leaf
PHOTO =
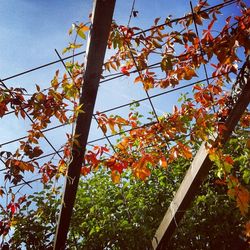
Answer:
(185, 150)
(142, 173)
(163, 162)
(229, 160)
(112, 126)
(243, 199)
(24, 166)
(247, 226)
(137, 79)
(115, 177)
(84, 28)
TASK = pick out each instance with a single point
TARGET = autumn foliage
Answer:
(181, 55)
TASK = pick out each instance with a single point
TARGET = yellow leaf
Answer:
(75, 46)
(123, 145)
(13, 222)
(62, 167)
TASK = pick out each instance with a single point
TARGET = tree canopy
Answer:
(126, 216)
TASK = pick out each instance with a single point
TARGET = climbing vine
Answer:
(180, 53)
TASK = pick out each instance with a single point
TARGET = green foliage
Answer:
(126, 215)
(34, 226)
(120, 216)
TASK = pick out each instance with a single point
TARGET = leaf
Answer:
(124, 70)
(2, 192)
(65, 50)
(198, 19)
(135, 13)
(246, 176)
(75, 46)
(247, 229)
(156, 44)
(115, 177)
(185, 150)
(138, 79)
(38, 88)
(85, 170)
(142, 173)
(189, 73)
(112, 126)
(80, 32)
(166, 64)
(26, 166)
(163, 162)
(36, 152)
(243, 199)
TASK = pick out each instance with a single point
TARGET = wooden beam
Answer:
(97, 42)
(197, 172)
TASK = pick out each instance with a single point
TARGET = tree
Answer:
(126, 215)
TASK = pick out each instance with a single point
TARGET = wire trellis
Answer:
(107, 78)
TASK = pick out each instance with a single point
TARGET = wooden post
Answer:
(198, 171)
(97, 42)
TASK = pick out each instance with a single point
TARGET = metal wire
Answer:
(111, 145)
(201, 50)
(46, 139)
(117, 76)
(185, 17)
(122, 106)
(42, 66)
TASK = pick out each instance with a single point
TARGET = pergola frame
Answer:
(102, 18)
(97, 42)
(201, 163)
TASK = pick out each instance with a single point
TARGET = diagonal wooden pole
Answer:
(97, 42)
(199, 168)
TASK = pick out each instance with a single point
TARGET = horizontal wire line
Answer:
(225, 4)
(122, 106)
(146, 30)
(23, 137)
(29, 117)
(42, 66)
(144, 99)
(118, 75)
(26, 183)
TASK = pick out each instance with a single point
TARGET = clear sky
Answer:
(30, 30)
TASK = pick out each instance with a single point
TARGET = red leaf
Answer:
(124, 70)
(85, 170)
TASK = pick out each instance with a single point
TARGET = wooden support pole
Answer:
(196, 174)
(97, 42)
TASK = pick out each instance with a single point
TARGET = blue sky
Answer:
(31, 30)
